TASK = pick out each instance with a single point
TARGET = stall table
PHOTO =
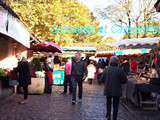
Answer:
(136, 91)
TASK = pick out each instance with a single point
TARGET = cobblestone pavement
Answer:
(59, 107)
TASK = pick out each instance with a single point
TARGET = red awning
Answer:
(46, 47)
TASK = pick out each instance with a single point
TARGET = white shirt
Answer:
(91, 71)
(154, 73)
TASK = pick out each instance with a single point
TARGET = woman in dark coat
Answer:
(24, 77)
(113, 78)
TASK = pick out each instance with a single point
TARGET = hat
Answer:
(114, 59)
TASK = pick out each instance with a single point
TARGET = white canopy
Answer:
(137, 43)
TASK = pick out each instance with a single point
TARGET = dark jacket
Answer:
(24, 75)
(126, 67)
(78, 68)
(113, 77)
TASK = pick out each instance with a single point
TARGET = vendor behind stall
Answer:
(134, 65)
(154, 75)
(48, 76)
(57, 60)
(126, 66)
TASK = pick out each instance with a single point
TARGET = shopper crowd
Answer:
(112, 72)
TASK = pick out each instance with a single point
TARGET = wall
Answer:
(8, 51)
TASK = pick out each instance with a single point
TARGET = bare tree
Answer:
(130, 15)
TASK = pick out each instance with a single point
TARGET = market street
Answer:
(58, 107)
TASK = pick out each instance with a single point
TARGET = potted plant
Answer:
(2, 72)
(37, 69)
(37, 82)
(3, 77)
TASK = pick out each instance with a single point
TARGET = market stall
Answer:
(129, 52)
(137, 43)
(139, 89)
(104, 53)
(45, 48)
(71, 50)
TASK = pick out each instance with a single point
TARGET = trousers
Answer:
(115, 101)
(77, 80)
(25, 91)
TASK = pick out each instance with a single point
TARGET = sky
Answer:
(106, 23)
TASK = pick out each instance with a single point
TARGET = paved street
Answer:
(58, 107)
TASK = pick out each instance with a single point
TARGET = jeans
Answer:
(25, 91)
(67, 81)
(77, 80)
(115, 107)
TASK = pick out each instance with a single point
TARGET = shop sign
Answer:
(58, 77)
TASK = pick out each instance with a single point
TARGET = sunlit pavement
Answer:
(59, 107)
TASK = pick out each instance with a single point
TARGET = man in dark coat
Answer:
(24, 77)
(126, 66)
(113, 78)
(78, 74)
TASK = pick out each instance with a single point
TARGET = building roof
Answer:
(6, 7)
(138, 43)
(33, 39)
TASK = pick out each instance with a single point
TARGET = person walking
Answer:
(113, 78)
(91, 70)
(24, 77)
(78, 74)
(67, 79)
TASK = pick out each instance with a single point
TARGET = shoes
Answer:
(108, 118)
(80, 101)
(23, 102)
(64, 93)
(73, 102)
